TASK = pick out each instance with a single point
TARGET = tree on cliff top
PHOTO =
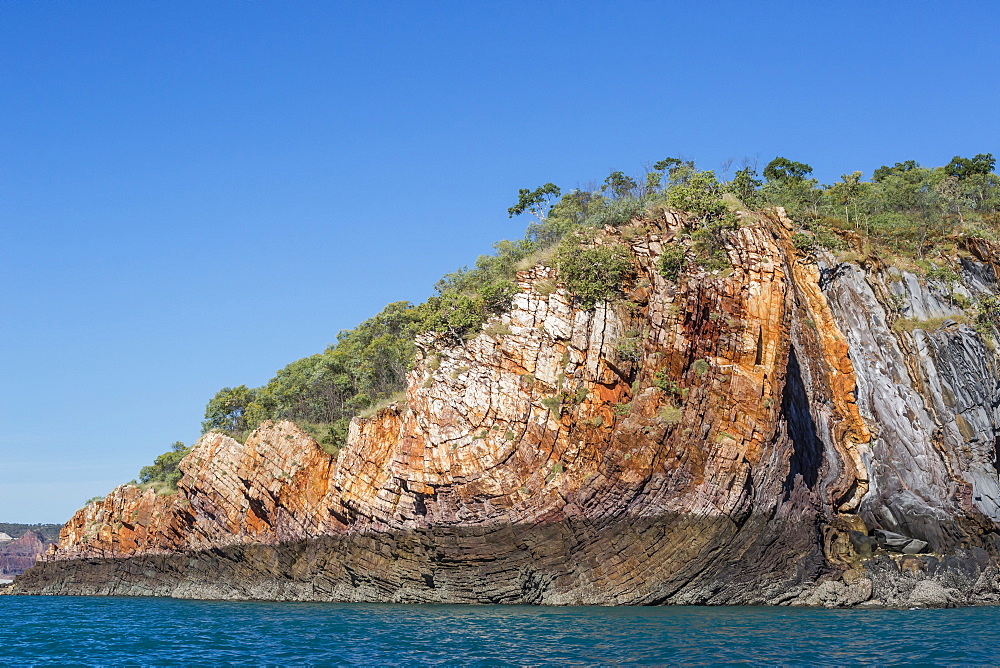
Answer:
(963, 168)
(536, 201)
(164, 473)
(783, 169)
(226, 411)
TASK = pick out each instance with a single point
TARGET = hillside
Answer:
(47, 532)
(671, 391)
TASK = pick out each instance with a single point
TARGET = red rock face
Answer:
(699, 441)
(19, 555)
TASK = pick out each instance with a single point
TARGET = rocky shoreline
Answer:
(321, 571)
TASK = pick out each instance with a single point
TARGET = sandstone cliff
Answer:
(762, 436)
(20, 554)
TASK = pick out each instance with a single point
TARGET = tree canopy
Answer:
(534, 200)
(783, 169)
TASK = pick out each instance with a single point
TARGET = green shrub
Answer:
(618, 212)
(701, 367)
(803, 242)
(822, 229)
(629, 348)
(672, 261)
(331, 437)
(709, 242)
(669, 386)
(593, 273)
(455, 315)
(554, 404)
(163, 473)
(700, 195)
(670, 414)
(987, 318)
(497, 296)
(941, 273)
(959, 300)
(745, 187)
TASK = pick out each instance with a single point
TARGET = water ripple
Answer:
(101, 631)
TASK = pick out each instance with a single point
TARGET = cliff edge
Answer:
(769, 435)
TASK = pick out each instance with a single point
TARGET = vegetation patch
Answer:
(327, 435)
(546, 286)
(663, 382)
(670, 414)
(394, 398)
(987, 318)
(497, 329)
(630, 347)
(672, 261)
(163, 474)
(593, 272)
(803, 242)
(931, 324)
(554, 404)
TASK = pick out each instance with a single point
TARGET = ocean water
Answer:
(101, 631)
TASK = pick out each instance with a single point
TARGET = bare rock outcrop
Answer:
(736, 437)
(19, 554)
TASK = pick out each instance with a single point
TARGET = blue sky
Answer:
(193, 194)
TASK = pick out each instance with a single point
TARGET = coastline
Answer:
(332, 569)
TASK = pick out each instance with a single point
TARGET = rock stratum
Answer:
(20, 554)
(763, 436)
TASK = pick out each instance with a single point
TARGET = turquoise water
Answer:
(67, 630)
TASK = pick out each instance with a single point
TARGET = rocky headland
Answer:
(767, 435)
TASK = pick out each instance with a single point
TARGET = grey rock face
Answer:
(930, 594)
(930, 391)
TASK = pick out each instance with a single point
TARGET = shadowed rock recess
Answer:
(756, 437)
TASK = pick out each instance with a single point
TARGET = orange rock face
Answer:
(697, 442)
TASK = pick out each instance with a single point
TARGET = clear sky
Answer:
(194, 194)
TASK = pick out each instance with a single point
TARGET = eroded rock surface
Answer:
(19, 554)
(725, 438)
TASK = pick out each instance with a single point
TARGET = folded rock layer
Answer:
(756, 436)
